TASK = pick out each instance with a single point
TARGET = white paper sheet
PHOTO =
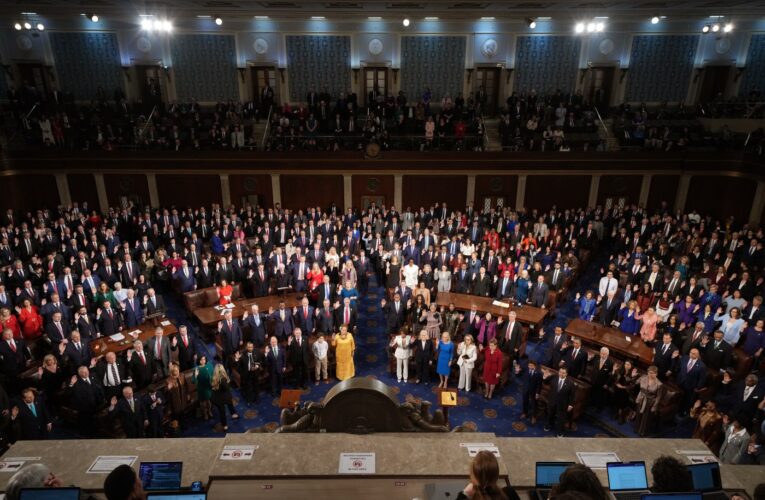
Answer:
(357, 463)
(11, 465)
(117, 337)
(595, 459)
(104, 464)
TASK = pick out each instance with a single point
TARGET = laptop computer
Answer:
(50, 494)
(191, 495)
(160, 475)
(707, 480)
(547, 475)
(672, 496)
(627, 480)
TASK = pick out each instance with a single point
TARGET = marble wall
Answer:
(85, 61)
(204, 67)
(660, 67)
(316, 62)
(437, 62)
(546, 63)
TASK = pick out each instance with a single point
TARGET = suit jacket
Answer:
(538, 294)
(325, 321)
(575, 364)
(258, 333)
(152, 308)
(102, 367)
(509, 345)
(131, 419)
(74, 358)
(29, 426)
(532, 384)
(306, 322)
(87, 398)
(88, 330)
(601, 376)
(323, 294)
(734, 448)
(164, 351)
(482, 286)
(609, 314)
(340, 317)
(395, 319)
(745, 410)
(128, 278)
(694, 379)
(283, 328)
(719, 357)
(186, 283)
(133, 312)
(231, 337)
(299, 354)
(276, 364)
(14, 363)
(55, 335)
(505, 290)
(140, 371)
(558, 400)
(423, 353)
(205, 279)
(664, 360)
(109, 325)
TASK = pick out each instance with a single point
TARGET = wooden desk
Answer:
(209, 316)
(616, 341)
(529, 315)
(102, 345)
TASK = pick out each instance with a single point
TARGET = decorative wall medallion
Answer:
(250, 184)
(24, 42)
(127, 185)
(143, 44)
(375, 46)
(260, 45)
(496, 184)
(722, 45)
(489, 47)
(606, 46)
(373, 184)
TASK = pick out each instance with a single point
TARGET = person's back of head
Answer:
(580, 479)
(759, 492)
(669, 474)
(31, 476)
(484, 474)
(572, 495)
(123, 484)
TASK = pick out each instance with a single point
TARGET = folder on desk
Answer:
(448, 398)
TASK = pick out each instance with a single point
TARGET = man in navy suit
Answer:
(691, 378)
(395, 313)
(185, 278)
(230, 336)
(133, 310)
(29, 418)
(505, 287)
(305, 317)
(90, 283)
(363, 266)
(57, 330)
(55, 305)
(556, 343)
(109, 320)
(531, 381)
(257, 323)
(470, 321)
(575, 358)
(325, 318)
(130, 411)
(277, 365)
(299, 270)
(74, 353)
(284, 322)
(560, 401)
(423, 357)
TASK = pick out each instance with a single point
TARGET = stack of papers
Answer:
(500, 304)
(166, 323)
(117, 337)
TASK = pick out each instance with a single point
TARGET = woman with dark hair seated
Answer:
(579, 478)
(484, 474)
(669, 474)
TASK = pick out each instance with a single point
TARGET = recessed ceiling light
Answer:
(204, 17)
(261, 17)
(728, 28)
(317, 18)
(17, 26)
(715, 28)
(655, 20)
(579, 28)
(29, 13)
(375, 18)
(487, 18)
(27, 25)
(40, 27)
(218, 20)
(431, 18)
(405, 21)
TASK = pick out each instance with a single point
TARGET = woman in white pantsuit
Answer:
(466, 356)
(402, 342)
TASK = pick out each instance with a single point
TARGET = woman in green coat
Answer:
(203, 379)
(105, 294)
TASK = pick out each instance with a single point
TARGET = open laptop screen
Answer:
(548, 473)
(627, 476)
(161, 475)
(706, 477)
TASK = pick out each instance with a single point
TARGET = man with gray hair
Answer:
(602, 366)
(31, 476)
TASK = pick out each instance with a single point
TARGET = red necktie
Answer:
(13, 346)
(305, 312)
(185, 340)
(347, 316)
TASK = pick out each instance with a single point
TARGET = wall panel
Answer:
(425, 190)
(619, 186)
(192, 190)
(242, 186)
(546, 63)
(496, 186)
(721, 196)
(301, 191)
(316, 62)
(82, 187)
(544, 191)
(87, 61)
(372, 186)
(204, 67)
(29, 192)
(660, 67)
(133, 186)
(662, 192)
(437, 62)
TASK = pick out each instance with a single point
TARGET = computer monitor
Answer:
(160, 475)
(50, 494)
(624, 476)
(672, 496)
(706, 476)
(548, 473)
(177, 496)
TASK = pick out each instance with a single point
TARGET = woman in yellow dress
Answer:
(344, 349)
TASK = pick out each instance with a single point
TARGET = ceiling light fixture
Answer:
(27, 25)
(531, 23)
(17, 26)
(579, 28)
(318, 18)
(374, 18)
(655, 20)
(728, 27)
(487, 18)
(40, 27)
(218, 20)
(406, 22)
(261, 17)
(431, 18)
(715, 28)
(705, 29)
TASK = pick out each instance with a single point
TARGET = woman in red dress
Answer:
(224, 293)
(31, 321)
(8, 320)
(315, 277)
(492, 367)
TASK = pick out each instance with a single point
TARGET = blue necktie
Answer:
(33, 409)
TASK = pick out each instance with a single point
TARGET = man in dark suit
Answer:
(139, 365)
(691, 378)
(539, 293)
(300, 356)
(277, 365)
(305, 317)
(129, 272)
(395, 313)
(112, 374)
(505, 287)
(86, 324)
(256, 324)
(30, 419)
(158, 348)
(556, 342)
(109, 320)
(482, 283)
(57, 330)
(131, 413)
(746, 398)
(154, 303)
(87, 398)
(423, 357)
(154, 407)
(510, 335)
(187, 350)
(555, 277)
(325, 319)
(560, 401)
(463, 279)
(602, 367)
(230, 336)
(74, 353)
(692, 338)
(15, 356)
(185, 278)
(716, 353)
(204, 276)
(132, 310)
(326, 291)
(284, 323)
(248, 363)
(754, 311)
(531, 381)
(609, 309)
(575, 358)
(665, 357)
(346, 314)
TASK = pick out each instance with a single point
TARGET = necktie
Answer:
(305, 312)
(33, 409)
(185, 339)
(115, 375)
(560, 383)
(664, 350)
(347, 316)
(158, 350)
(690, 365)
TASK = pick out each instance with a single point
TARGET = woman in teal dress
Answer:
(203, 379)
(350, 292)
(104, 294)
(445, 355)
